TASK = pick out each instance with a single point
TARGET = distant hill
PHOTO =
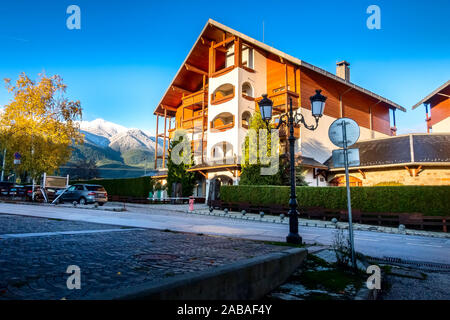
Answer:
(117, 151)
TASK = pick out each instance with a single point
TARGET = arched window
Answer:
(223, 121)
(246, 115)
(223, 94)
(247, 90)
(222, 151)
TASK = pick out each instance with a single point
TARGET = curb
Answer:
(250, 279)
(330, 225)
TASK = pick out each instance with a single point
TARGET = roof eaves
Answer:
(428, 97)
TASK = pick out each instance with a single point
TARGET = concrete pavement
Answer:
(375, 244)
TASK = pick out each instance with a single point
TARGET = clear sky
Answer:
(125, 55)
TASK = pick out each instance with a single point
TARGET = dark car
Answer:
(5, 187)
(84, 194)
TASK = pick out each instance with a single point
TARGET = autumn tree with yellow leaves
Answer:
(40, 123)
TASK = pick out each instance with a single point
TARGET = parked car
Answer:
(84, 194)
(4, 188)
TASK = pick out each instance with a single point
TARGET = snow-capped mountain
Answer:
(102, 128)
(105, 134)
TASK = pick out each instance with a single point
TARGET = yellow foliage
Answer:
(40, 123)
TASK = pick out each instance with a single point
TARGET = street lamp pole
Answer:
(293, 236)
(291, 119)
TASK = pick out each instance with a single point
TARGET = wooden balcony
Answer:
(195, 122)
(198, 99)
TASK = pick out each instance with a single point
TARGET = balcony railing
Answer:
(195, 122)
(198, 98)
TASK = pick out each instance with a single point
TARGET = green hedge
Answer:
(428, 200)
(130, 187)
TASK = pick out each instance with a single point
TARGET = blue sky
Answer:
(125, 55)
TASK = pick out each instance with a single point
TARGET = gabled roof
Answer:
(443, 91)
(215, 31)
(416, 148)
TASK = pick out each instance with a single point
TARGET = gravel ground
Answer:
(435, 286)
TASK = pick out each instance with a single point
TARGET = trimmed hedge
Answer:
(130, 187)
(428, 200)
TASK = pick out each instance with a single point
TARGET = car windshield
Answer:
(96, 188)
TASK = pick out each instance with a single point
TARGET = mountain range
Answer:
(116, 150)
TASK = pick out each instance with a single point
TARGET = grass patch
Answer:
(329, 280)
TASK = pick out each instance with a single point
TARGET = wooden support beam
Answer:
(417, 171)
(237, 52)
(164, 142)
(203, 174)
(156, 142)
(233, 172)
(170, 108)
(224, 42)
(409, 171)
(195, 69)
(182, 90)
(362, 173)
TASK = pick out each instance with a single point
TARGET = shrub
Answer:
(428, 200)
(130, 187)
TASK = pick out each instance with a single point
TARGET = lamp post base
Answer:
(294, 238)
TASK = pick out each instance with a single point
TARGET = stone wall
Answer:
(427, 176)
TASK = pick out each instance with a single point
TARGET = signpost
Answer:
(344, 132)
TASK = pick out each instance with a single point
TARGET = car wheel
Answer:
(101, 203)
(82, 201)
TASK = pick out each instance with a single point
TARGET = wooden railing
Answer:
(199, 98)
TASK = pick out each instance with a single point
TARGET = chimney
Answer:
(343, 70)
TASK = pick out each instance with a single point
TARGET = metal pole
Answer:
(293, 236)
(3, 165)
(349, 201)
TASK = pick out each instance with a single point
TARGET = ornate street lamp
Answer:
(290, 119)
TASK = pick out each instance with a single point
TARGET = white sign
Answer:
(336, 132)
(338, 158)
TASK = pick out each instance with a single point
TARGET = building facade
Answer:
(217, 89)
(437, 109)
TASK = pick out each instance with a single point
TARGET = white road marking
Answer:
(423, 245)
(365, 239)
(46, 234)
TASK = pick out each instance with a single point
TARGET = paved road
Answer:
(375, 244)
(33, 264)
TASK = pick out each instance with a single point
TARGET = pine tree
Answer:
(177, 173)
(251, 173)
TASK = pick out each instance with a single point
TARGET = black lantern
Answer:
(265, 108)
(317, 104)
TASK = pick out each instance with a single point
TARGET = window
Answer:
(229, 61)
(246, 115)
(222, 150)
(247, 57)
(247, 90)
(222, 122)
(223, 93)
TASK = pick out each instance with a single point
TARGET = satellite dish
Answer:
(336, 132)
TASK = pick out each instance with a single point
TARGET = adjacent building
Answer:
(216, 91)
(437, 109)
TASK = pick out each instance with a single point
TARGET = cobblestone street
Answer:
(35, 254)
